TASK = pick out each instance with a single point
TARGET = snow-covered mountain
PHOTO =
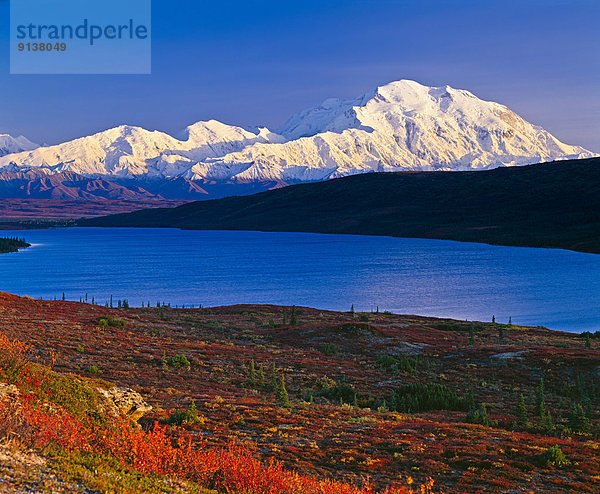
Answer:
(400, 126)
(9, 144)
(133, 151)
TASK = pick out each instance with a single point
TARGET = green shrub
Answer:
(178, 361)
(401, 364)
(330, 349)
(185, 417)
(478, 415)
(111, 321)
(386, 361)
(554, 456)
(418, 397)
(92, 369)
(344, 393)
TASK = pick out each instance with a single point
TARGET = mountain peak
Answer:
(399, 126)
(10, 144)
(337, 115)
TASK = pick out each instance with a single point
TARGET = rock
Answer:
(126, 402)
(8, 390)
(508, 355)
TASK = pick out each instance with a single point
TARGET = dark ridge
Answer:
(554, 204)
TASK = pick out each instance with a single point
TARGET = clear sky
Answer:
(258, 62)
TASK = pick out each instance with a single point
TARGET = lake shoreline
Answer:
(13, 244)
(430, 277)
(27, 225)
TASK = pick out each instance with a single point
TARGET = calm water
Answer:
(555, 288)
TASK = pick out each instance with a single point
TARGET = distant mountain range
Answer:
(402, 126)
(544, 205)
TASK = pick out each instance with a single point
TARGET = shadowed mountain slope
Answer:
(553, 204)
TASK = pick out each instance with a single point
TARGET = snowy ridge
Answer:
(9, 144)
(400, 126)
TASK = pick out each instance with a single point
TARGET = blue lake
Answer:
(555, 288)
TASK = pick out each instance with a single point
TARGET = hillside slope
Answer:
(392, 398)
(554, 204)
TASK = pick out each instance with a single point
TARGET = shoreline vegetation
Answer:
(551, 205)
(12, 244)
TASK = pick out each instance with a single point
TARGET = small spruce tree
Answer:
(484, 416)
(540, 400)
(578, 421)
(293, 317)
(261, 376)
(521, 413)
(281, 396)
(273, 384)
(252, 374)
(546, 423)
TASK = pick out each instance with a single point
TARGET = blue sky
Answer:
(251, 63)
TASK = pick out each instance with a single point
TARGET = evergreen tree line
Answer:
(12, 244)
